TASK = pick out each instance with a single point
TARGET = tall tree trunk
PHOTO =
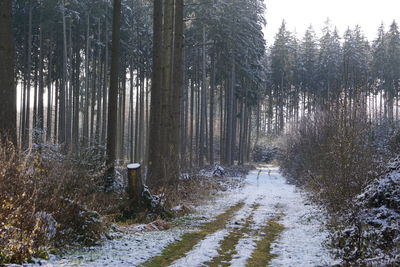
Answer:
(230, 125)
(8, 109)
(35, 101)
(69, 89)
(99, 90)
(203, 103)
(113, 95)
(141, 118)
(131, 121)
(63, 89)
(191, 122)
(137, 143)
(167, 58)
(93, 97)
(122, 117)
(26, 122)
(49, 95)
(40, 111)
(212, 94)
(154, 170)
(105, 84)
(76, 106)
(177, 81)
(57, 100)
(86, 102)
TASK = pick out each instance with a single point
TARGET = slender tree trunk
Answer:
(184, 115)
(105, 85)
(191, 122)
(137, 144)
(76, 106)
(93, 97)
(221, 126)
(141, 118)
(40, 117)
(26, 123)
(35, 101)
(68, 90)
(49, 96)
(122, 117)
(63, 89)
(230, 126)
(86, 102)
(99, 87)
(57, 100)
(146, 150)
(212, 94)
(131, 121)
(203, 103)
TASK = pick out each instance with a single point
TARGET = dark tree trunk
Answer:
(49, 96)
(153, 176)
(113, 95)
(8, 109)
(76, 106)
(212, 94)
(40, 110)
(27, 93)
(177, 80)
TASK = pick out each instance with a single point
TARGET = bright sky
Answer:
(299, 14)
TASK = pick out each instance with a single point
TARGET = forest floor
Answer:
(265, 222)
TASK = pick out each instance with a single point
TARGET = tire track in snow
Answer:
(246, 245)
(207, 248)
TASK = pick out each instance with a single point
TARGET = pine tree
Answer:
(392, 70)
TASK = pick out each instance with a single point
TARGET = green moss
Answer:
(228, 244)
(178, 249)
(262, 255)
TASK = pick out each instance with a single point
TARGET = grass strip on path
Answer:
(228, 244)
(262, 255)
(178, 249)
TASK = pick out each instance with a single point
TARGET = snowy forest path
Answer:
(274, 224)
(267, 222)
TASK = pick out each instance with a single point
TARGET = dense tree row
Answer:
(204, 101)
(322, 74)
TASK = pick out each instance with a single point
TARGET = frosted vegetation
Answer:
(128, 128)
(264, 205)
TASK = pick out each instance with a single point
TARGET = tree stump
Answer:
(135, 184)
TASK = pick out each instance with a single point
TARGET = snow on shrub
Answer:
(372, 233)
(42, 198)
(333, 159)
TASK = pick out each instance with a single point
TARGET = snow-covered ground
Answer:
(265, 195)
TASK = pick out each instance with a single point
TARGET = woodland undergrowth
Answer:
(49, 200)
(338, 158)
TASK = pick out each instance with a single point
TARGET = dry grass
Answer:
(45, 202)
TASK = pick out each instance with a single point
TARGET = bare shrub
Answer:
(333, 157)
(344, 162)
(44, 200)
